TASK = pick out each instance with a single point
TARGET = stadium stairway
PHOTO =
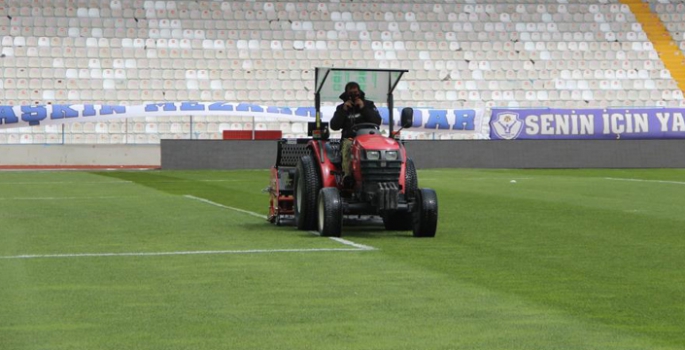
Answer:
(661, 39)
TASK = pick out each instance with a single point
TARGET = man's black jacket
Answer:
(344, 120)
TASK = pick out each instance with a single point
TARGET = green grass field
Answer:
(560, 259)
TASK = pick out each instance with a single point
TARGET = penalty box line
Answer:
(346, 242)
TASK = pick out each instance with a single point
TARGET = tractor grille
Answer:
(374, 171)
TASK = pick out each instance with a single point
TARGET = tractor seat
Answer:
(368, 131)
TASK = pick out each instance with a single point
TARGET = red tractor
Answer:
(307, 180)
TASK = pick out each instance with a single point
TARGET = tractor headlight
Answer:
(391, 155)
(373, 155)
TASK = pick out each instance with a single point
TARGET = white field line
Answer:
(199, 252)
(337, 239)
(110, 182)
(641, 180)
(66, 182)
(225, 206)
(60, 198)
(350, 243)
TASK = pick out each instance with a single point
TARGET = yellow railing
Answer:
(661, 39)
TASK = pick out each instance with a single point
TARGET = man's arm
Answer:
(370, 113)
(339, 118)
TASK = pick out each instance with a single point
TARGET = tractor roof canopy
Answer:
(377, 84)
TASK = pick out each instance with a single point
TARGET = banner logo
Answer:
(507, 125)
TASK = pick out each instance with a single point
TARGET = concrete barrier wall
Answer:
(218, 154)
(79, 155)
(201, 154)
(549, 154)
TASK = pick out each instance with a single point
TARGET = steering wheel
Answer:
(356, 127)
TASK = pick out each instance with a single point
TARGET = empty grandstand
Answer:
(459, 53)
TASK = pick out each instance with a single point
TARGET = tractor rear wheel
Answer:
(307, 185)
(330, 212)
(411, 180)
(425, 213)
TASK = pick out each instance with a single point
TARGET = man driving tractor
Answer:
(355, 109)
(380, 178)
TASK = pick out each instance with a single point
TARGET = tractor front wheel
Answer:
(330, 212)
(425, 213)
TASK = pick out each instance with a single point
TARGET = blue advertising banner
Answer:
(583, 124)
(462, 121)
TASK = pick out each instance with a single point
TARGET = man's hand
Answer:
(348, 104)
(359, 103)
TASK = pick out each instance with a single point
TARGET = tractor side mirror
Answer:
(407, 117)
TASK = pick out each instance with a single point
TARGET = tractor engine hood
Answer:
(377, 142)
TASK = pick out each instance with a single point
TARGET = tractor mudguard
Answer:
(324, 163)
(334, 153)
